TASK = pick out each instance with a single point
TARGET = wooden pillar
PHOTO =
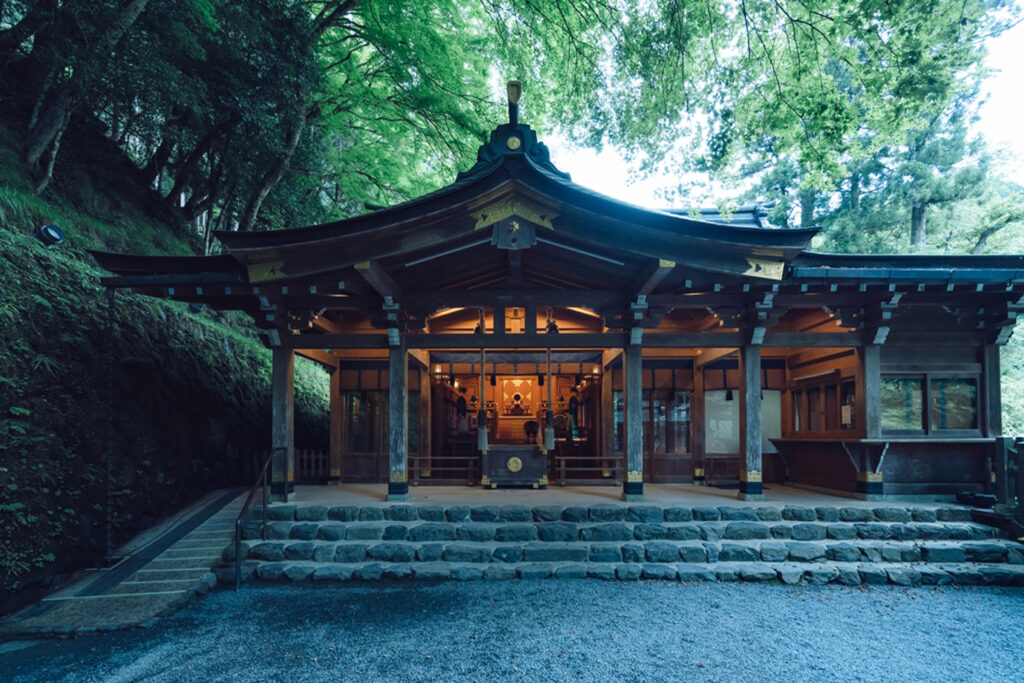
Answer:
(336, 420)
(698, 423)
(607, 419)
(992, 405)
(871, 366)
(751, 487)
(398, 414)
(283, 423)
(633, 484)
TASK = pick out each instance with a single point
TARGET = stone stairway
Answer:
(814, 545)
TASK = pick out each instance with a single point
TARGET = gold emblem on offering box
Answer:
(514, 464)
(513, 142)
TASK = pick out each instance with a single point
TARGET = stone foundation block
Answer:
(571, 571)
(657, 551)
(547, 513)
(848, 576)
(856, 515)
(605, 552)
(712, 531)
(305, 531)
(964, 575)
(456, 513)
(497, 572)
(392, 552)
(782, 531)
(401, 513)
(272, 552)
(561, 532)
(281, 513)
(508, 553)
(746, 530)
(904, 576)
(1002, 576)
(931, 532)
(298, 572)
(273, 571)
(632, 552)
(331, 532)
(706, 514)
(958, 532)
(875, 576)
(809, 532)
(933, 576)
(734, 552)
(516, 513)
(684, 532)
(436, 513)
(893, 514)
(628, 572)
(431, 571)
(798, 514)
(692, 552)
(311, 513)
(364, 532)
(371, 514)
(727, 572)
(467, 573)
(430, 552)
(606, 532)
(299, 551)
(475, 532)
(555, 552)
(872, 531)
(985, 552)
(903, 532)
(397, 571)
(678, 514)
(843, 552)
(892, 553)
(871, 553)
(731, 513)
(827, 514)
(774, 551)
(841, 532)
(806, 552)
(535, 571)
(923, 515)
(368, 572)
(607, 513)
(651, 514)
(485, 513)
(279, 530)
(432, 531)
(819, 576)
(766, 514)
(659, 571)
(646, 532)
(691, 573)
(757, 572)
(395, 532)
(953, 514)
(790, 574)
(518, 533)
(712, 551)
(601, 571)
(575, 514)
(343, 513)
(332, 572)
(350, 552)
(324, 552)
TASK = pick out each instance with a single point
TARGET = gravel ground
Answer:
(555, 630)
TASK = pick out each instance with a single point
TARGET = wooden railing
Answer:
(311, 466)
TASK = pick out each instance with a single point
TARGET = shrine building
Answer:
(517, 329)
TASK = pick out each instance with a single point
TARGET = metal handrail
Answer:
(262, 476)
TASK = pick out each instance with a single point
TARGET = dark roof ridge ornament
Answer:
(512, 139)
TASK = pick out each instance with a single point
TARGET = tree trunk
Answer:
(855, 192)
(808, 199)
(272, 177)
(918, 223)
(45, 134)
(37, 15)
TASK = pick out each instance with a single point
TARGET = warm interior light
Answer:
(515, 91)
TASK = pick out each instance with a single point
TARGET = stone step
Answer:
(992, 551)
(847, 573)
(587, 530)
(608, 512)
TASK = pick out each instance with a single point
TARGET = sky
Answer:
(1000, 123)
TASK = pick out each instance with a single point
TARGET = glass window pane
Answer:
(814, 409)
(771, 418)
(678, 430)
(902, 407)
(798, 411)
(721, 422)
(620, 411)
(659, 419)
(832, 406)
(953, 403)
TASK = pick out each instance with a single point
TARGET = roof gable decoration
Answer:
(515, 222)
